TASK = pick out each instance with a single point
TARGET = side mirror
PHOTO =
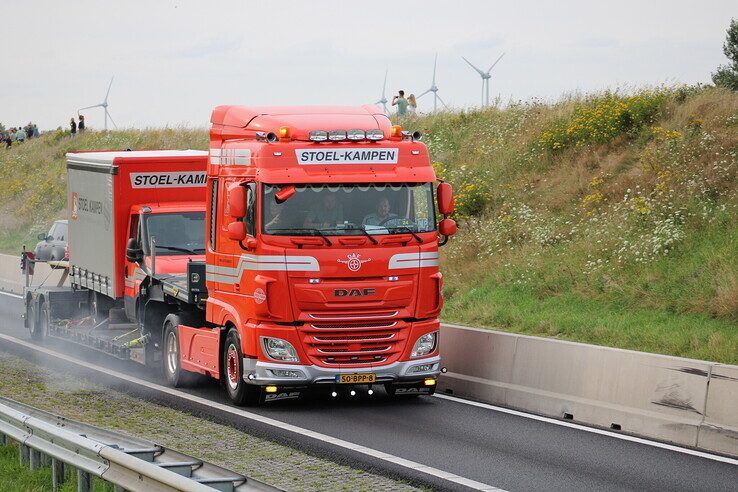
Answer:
(237, 202)
(42, 236)
(285, 193)
(447, 227)
(134, 253)
(445, 197)
(237, 231)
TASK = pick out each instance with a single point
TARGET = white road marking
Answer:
(10, 294)
(435, 472)
(593, 430)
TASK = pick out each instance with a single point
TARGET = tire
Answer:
(99, 306)
(238, 391)
(173, 372)
(32, 320)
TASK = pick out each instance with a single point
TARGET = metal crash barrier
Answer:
(128, 463)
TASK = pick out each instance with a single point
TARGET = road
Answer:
(503, 449)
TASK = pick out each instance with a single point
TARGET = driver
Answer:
(382, 215)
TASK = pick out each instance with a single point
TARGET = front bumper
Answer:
(262, 373)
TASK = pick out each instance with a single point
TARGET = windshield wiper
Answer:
(363, 231)
(174, 248)
(406, 228)
(316, 232)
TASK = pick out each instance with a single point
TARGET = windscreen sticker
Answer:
(347, 156)
(183, 179)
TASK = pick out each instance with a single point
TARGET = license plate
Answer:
(364, 378)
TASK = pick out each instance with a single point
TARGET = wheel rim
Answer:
(172, 353)
(232, 366)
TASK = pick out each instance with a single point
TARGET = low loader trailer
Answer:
(299, 253)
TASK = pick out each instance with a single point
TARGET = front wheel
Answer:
(239, 392)
(175, 375)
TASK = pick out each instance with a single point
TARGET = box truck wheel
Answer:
(239, 392)
(176, 376)
(99, 306)
(38, 322)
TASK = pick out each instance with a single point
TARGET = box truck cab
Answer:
(321, 256)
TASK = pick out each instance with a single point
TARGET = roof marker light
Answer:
(356, 134)
(285, 132)
(375, 134)
(396, 131)
(337, 135)
(318, 135)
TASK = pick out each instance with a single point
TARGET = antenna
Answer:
(103, 105)
(384, 101)
(434, 89)
(485, 78)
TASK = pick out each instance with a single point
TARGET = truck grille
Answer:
(339, 344)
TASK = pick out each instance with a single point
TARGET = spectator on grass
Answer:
(73, 126)
(81, 126)
(36, 134)
(401, 103)
(412, 105)
(20, 135)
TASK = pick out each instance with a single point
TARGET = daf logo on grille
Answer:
(353, 262)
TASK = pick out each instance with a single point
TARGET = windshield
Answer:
(349, 209)
(181, 233)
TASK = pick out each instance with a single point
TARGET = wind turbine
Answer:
(434, 89)
(384, 101)
(485, 77)
(103, 105)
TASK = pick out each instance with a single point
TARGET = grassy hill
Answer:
(608, 219)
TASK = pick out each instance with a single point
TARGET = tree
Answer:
(727, 75)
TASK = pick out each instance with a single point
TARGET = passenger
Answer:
(326, 216)
(382, 215)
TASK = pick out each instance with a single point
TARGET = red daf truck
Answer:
(320, 268)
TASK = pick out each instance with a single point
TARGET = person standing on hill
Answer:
(412, 105)
(73, 126)
(401, 103)
(20, 135)
(81, 126)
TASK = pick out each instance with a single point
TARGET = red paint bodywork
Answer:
(293, 308)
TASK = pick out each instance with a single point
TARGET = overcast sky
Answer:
(173, 61)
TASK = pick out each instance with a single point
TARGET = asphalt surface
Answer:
(503, 450)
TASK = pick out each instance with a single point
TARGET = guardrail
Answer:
(128, 463)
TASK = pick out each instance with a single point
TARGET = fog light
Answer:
(356, 134)
(375, 134)
(273, 389)
(285, 373)
(422, 368)
(429, 381)
(370, 392)
(337, 135)
(334, 394)
(352, 393)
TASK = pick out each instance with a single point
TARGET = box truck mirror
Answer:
(134, 253)
(237, 201)
(42, 236)
(237, 231)
(447, 227)
(445, 197)
(285, 193)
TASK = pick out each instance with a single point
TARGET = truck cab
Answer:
(321, 244)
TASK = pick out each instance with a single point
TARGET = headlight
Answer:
(425, 344)
(280, 350)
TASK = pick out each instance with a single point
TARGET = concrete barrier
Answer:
(687, 402)
(12, 279)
